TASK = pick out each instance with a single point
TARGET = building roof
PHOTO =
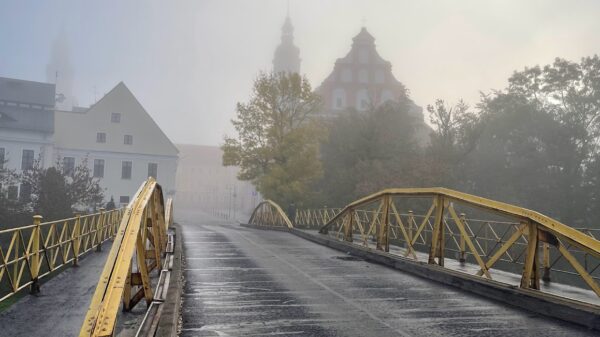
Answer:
(77, 130)
(26, 105)
(30, 92)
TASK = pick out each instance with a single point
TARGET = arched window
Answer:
(339, 99)
(362, 100)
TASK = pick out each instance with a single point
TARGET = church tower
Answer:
(287, 55)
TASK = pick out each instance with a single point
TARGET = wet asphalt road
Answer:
(245, 282)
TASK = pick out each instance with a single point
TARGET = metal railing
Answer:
(29, 253)
(496, 241)
(268, 213)
(137, 250)
(539, 245)
(314, 218)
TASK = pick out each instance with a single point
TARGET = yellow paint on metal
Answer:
(140, 235)
(36, 250)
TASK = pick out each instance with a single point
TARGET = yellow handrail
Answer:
(142, 235)
(534, 232)
(268, 213)
(29, 253)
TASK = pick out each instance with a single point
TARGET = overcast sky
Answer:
(189, 62)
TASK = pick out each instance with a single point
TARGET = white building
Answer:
(203, 183)
(121, 143)
(26, 125)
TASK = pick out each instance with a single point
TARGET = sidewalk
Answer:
(61, 306)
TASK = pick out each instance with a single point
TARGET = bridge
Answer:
(400, 262)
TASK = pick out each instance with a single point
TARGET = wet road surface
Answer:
(246, 282)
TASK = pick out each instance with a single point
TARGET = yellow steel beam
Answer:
(546, 223)
(494, 258)
(463, 232)
(580, 269)
(409, 248)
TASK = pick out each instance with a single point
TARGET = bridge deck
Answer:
(59, 309)
(253, 283)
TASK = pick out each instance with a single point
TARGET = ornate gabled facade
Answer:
(287, 55)
(361, 79)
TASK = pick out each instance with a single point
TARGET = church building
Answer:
(361, 79)
(287, 55)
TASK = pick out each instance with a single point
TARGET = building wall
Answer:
(77, 136)
(203, 183)
(112, 182)
(15, 141)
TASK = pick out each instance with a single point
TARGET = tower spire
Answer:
(287, 55)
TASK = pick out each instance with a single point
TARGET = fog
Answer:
(189, 62)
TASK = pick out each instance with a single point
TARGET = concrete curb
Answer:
(580, 313)
(169, 323)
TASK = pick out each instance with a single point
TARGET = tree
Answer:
(277, 142)
(13, 210)
(57, 192)
(456, 132)
(368, 151)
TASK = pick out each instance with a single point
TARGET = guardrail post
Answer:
(35, 254)
(531, 277)
(437, 236)
(383, 242)
(76, 239)
(546, 262)
(461, 257)
(348, 222)
(411, 220)
(99, 230)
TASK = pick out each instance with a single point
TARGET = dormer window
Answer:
(115, 117)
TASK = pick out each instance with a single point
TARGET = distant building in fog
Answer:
(203, 183)
(363, 79)
(360, 79)
(26, 126)
(121, 141)
(287, 55)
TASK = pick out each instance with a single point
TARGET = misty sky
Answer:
(189, 62)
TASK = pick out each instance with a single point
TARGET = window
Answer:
(152, 170)
(69, 166)
(2, 157)
(124, 199)
(362, 99)
(363, 76)
(27, 160)
(13, 192)
(339, 99)
(25, 193)
(115, 117)
(126, 170)
(101, 137)
(128, 140)
(98, 168)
